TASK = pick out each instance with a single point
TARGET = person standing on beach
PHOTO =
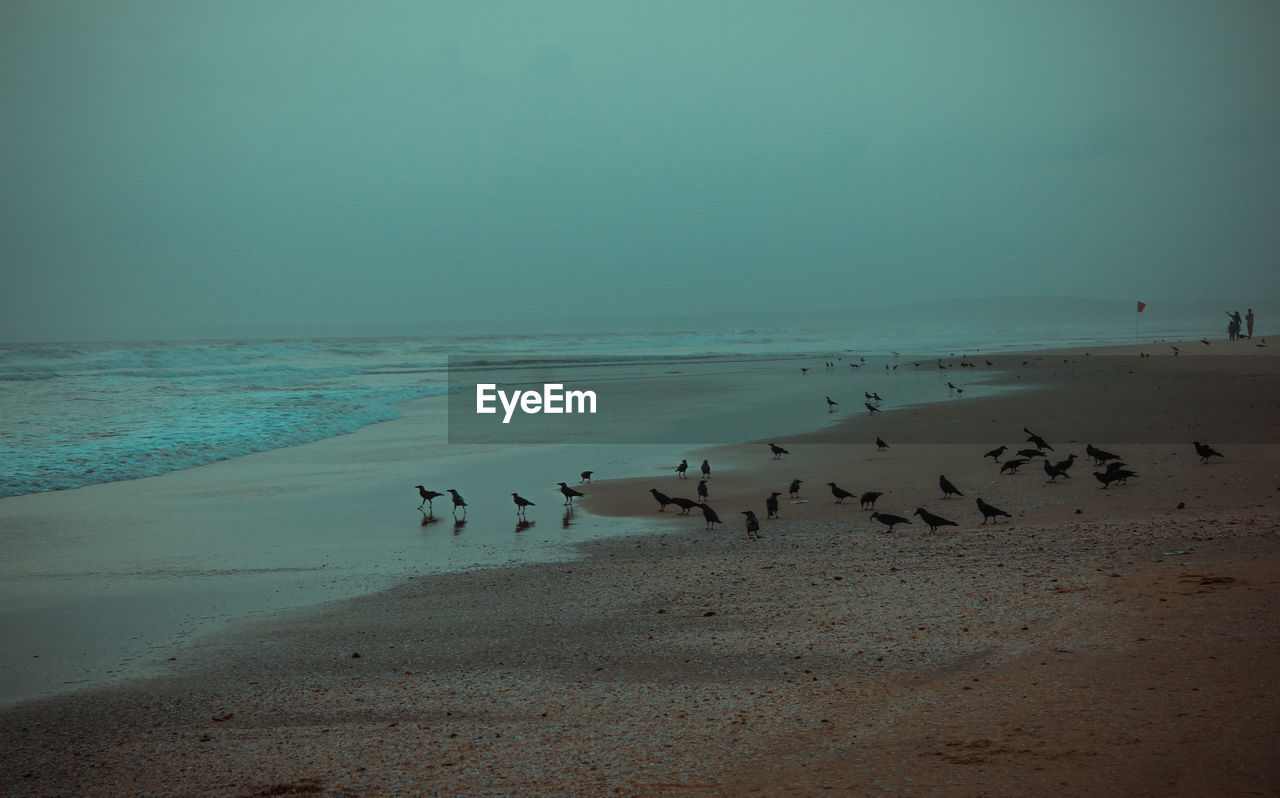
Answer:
(1248, 319)
(1233, 327)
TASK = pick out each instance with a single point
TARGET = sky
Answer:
(190, 169)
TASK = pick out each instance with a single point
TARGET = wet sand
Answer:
(1129, 647)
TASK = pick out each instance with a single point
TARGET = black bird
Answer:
(683, 467)
(1030, 453)
(1107, 477)
(804, 370)
(702, 489)
(771, 505)
(868, 500)
(840, 493)
(1052, 471)
(1012, 466)
(889, 520)
(995, 453)
(706, 470)
(778, 451)
(458, 502)
(795, 488)
(521, 503)
(1099, 456)
(1121, 475)
(989, 512)
(880, 444)
(872, 408)
(867, 395)
(876, 396)
(663, 499)
(586, 477)
(1205, 451)
(685, 505)
(569, 493)
(1062, 465)
(831, 406)
(947, 487)
(709, 514)
(427, 497)
(933, 521)
(753, 524)
(1037, 440)
(1115, 465)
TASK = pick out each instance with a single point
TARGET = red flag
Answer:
(1142, 306)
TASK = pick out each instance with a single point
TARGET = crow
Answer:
(889, 520)
(586, 477)
(1036, 439)
(771, 505)
(1099, 456)
(685, 505)
(1030, 453)
(1115, 465)
(840, 493)
(521, 503)
(1052, 471)
(947, 487)
(995, 453)
(706, 470)
(831, 406)
(795, 488)
(933, 521)
(569, 493)
(1012, 466)
(1062, 465)
(458, 502)
(709, 514)
(1205, 451)
(753, 524)
(868, 500)
(682, 468)
(1107, 477)
(663, 499)
(880, 444)
(778, 451)
(989, 512)
(871, 408)
(427, 497)
(702, 489)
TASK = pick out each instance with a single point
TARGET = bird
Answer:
(889, 520)
(840, 493)
(868, 500)
(1205, 451)
(880, 444)
(683, 467)
(702, 489)
(804, 370)
(663, 499)
(1012, 466)
(832, 405)
(771, 505)
(933, 521)
(1099, 456)
(427, 497)
(569, 493)
(989, 512)
(521, 503)
(1062, 465)
(458, 502)
(778, 451)
(1052, 471)
(586, 477)
(706, 470)
(947, 487)
(995, 453)
(871, 408)
(1107, 477)
(1030, 453)
(709, 514)
(795, 488)
(867, 395)
(1037, 440)
(1115, 465)
(685, 505)
(753, 524)
(875, 396)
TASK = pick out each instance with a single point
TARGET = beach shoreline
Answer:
(1056, 652)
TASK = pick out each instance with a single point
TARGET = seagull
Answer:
(840, 493)
(989, 512)
(889, 520)
(947, 487)
(569, 493)
(753, 524)
(1205, 451)
(427, 497)
(663, 499)
(933, 521)
(521, 503)
(778, 451)
(868, 500)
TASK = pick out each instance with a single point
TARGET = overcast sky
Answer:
(171, 168)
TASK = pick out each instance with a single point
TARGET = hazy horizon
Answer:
(204, 170)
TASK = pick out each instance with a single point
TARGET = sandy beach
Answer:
(1098, 640)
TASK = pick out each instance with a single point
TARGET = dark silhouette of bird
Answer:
(663, 499)
(458, 502)
(804, 370)
(989, 512)
(709, 514)
(702, 489)
(880, 444)
(876, 397)
(1051, 471)
(778, 451)
(771, 505)
(871, 408)
(569, 493)
(521, 503)
(706, 470)
(586, 477)
(1205, 451)
(831, 406)
(1037, 440)
(1012, 466)
(889, 520)
(427, 497)
(753, 524)
(933, 521)
(867, 395)
(795, 488)
(685, 505)
(682, 468)
(1115, 465)
(1030, 453)
(995, 453)
(1062, 465)
(1107, 477)
(947, 487)
(868, 500)
(1099, 456)
(840, 493)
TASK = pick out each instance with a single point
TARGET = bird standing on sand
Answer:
(831, 406)
(990, 512)
(778, 451)
(663, 499)
(569, 493)
(1205, 451)
(586, 477)
(706, 470)
(753, 524)
(682, 468)
(709, 514)
(889, 520)
(1037, 440)
(684, 504)
(795, 488)
(1119, 475)
(521, 503)
(771, 505)
(1030, 453)
(840, 493)
(871, 408)
(867, 501)
(1052, 471)
(1012, 466)
(1099, 456)
(947, 487)
(1062, 465)
(995, 453)
(427, 496)
(702, 489)
(458, 502)
(880, 444)
(933, 521)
